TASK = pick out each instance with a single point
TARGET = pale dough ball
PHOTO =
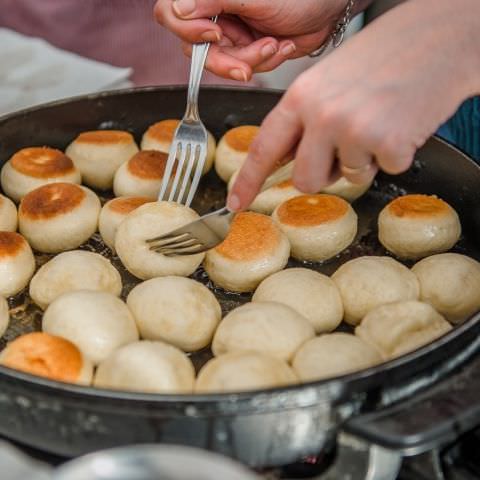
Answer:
(267, 327)
(159, 137)
(48, 356)
(254, 249)
(96, 322)
(333, 354)
(33, 167)
(347, 190)
(150, 367)
(317, 226)
(415, 226)
(313, 295)
(177, 310)
(4, 315)
(400, 327)
(266, 202)
(75, 270)
(149, 221)
(17, 263)
(366, 282)
(233, 149)
(143, 175)
(450, 282)
(58, 216)
(243, 371)
(99, 153)
(8, 215)
(113, 213)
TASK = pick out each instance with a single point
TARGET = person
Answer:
(368, 105)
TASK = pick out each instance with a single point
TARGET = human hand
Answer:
(367, 105)
(251, 35)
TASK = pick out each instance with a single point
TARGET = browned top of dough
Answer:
(51, 200)
(310, 210)
(102, 137)
(240, 138)
(148, 164)
(252, 235)
(125, 205)
(418, 206)
(44, 355)
(163, 131)
(42, 162)
(11, 243)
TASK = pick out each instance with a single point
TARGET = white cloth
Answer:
(32, 71)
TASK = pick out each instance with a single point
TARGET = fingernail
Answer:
(288, 49)
(184, 7)
(268, 50)
(233, 203)
(238, 74)
(211, 36)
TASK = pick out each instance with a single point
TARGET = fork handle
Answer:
(280, 175)
(199, 56)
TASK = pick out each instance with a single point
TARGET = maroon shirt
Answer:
(119, 32)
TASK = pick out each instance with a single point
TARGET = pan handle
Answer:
(430, 420)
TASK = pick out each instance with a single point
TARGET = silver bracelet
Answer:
(336, 37)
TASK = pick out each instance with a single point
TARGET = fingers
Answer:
(314, 162)
(238, 62)
(278, 135)
(357, 165)
(192, 31)
(286, 50)
(208, 8)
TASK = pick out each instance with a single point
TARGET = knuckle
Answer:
(159, 11)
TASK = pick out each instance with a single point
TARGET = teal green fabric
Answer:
(463, 129)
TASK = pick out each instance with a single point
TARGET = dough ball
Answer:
(254, 249)
(4, 316)
(96, 322)
(333, 354)
(99, 153)
(415, 226)
(142, 175)
(8, 215)
(233, 149)
(58, 216)
(450, 282)
(159, 136)
(70, 271)
(177, 310)
(366, 282)
(267, 327)
(313, 295)
(33, 167)
(17, 263)
(243, 371)
(113, 213)
(150, 367)
(47, 356)
(347, 190)
(317, 226)
(149, 221)
(266, 202)
(400, 327)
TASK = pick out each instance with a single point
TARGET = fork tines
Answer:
(171, 245)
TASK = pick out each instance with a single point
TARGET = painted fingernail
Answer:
(238, 74)
(288, 49)
(184, 7)
(211, 36)
(233, 203)
(268, 50)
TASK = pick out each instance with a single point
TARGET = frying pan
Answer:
(263, 428)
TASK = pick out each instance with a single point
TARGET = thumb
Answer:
(190, 9)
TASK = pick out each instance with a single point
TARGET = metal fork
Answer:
(209, 230)
(189, 146)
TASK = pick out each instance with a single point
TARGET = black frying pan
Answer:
(260, 428)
